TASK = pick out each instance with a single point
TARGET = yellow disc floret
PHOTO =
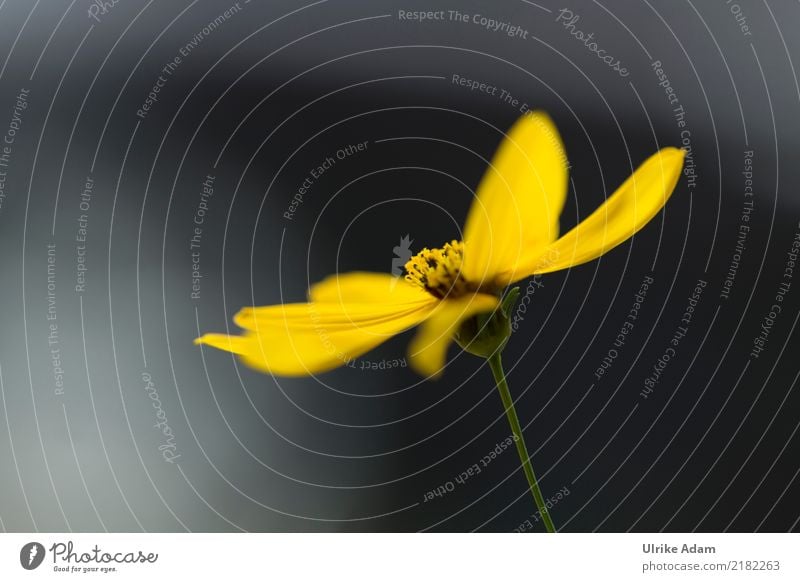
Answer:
(438, 271)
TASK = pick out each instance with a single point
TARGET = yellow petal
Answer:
(428, 349)
(306, 338)
(625, 212)
(518, 201)
(362, 287)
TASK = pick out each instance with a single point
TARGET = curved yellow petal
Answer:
(428, 349)
(300, 339)
(364, 287)
(518, 201)
(622, 215)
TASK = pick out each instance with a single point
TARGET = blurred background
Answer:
(150, 167)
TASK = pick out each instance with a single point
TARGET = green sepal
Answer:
(486, 334)
(509, 301)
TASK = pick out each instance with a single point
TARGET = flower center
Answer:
(438, 271)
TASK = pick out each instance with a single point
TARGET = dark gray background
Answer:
(264, 98)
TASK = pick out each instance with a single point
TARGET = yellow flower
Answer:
(511, 233)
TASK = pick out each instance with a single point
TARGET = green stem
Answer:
(496, 364)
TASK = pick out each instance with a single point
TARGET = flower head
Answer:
(511, 233)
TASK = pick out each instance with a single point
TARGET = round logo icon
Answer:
(31, 555)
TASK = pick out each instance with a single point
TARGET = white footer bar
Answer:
(400, 557)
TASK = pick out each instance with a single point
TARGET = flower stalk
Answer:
(486, 335)
(496, 364)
